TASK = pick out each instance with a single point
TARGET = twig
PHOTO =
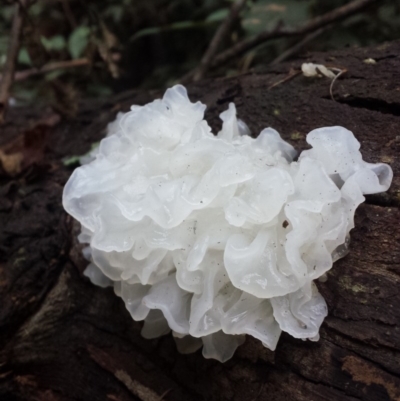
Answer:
(259, 392)
(339, 73)
(12, 53)
(311, 26)
(166, 392)
(220, 35)
(299, 45)
(57, 65)
(247, 62)
(69, 14)
(292, 73)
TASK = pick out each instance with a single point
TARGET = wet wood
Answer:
(65, 339)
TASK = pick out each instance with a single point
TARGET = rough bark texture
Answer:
(65, 339)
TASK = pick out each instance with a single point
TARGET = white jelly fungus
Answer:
(214, 237)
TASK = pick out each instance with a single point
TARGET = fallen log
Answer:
(64, 339)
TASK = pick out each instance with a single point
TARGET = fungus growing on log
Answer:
(214, 237)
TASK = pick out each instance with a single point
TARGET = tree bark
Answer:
(64, 339)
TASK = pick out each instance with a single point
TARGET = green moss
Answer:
(349, 285)
(296, 136)
(359, 288)
(18, 261)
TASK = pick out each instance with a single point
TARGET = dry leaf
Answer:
(11, 163)
(107, 46)
(28, 148)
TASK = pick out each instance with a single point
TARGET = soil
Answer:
(62, 338)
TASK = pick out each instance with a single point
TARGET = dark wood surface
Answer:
(64, 339)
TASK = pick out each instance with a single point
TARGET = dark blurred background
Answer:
(106, 46)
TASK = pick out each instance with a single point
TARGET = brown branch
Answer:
(311, 26)
(292, 74)
(69, 14)
(12, 53)
(299, 45)
(220, 35)
(57, 65)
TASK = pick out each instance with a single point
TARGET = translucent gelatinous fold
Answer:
(216, 236)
